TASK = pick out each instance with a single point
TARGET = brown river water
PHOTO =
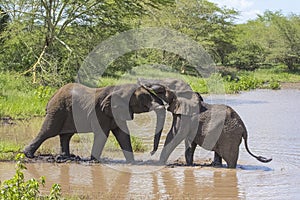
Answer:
(272, 120)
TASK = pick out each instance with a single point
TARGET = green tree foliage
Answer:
(211, 26)
(270, 39)
(4, 18)
(248, 56)
(289, 31)
(51, 38)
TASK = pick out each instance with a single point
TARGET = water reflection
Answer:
(99, 181)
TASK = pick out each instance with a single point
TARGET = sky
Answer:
(250, 8)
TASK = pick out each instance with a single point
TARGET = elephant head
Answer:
(178, 95)
(127, 99)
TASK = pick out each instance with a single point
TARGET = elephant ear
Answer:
(186, 105)
(116, 104)
(180, 96)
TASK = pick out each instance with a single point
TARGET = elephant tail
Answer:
(259, 158)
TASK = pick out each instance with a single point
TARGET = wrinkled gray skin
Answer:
(223, 136)
(75, 108)
(178, 91)
(214, 127)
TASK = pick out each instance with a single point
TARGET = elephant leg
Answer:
(231, 157)
(173, 130)
(217, 160)
(123, 139)
(100, 138)
(160, 121)
(65, 144)
(189, 152)
(182, 128)
(51, 127)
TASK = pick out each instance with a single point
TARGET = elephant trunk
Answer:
(259, 158)
(160, 121)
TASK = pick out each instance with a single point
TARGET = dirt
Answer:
(287, 85)
(55, 158)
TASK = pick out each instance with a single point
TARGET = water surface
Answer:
(272, 120)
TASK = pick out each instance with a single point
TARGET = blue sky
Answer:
(250, 8)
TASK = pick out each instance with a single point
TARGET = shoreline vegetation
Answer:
(21, 99)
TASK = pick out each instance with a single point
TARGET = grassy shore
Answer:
(20, 99)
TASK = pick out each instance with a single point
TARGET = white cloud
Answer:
(245, 7)
(237, 4)
(248, 15)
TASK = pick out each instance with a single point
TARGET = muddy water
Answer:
(272, 120)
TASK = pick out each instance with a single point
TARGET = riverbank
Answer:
(21, 99)
(289, 85)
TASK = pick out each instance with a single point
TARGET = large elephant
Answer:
(75, 108)
(214, 127)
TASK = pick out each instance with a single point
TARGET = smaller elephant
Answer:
(223, 136)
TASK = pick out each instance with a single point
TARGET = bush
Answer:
(18, 188)
(244, 82)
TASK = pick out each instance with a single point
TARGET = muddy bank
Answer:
(287, 85)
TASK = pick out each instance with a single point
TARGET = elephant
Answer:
(223, 135)
(215, 127)
(76, 108)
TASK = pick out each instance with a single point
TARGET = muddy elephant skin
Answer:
(75, 108)
(224, 138)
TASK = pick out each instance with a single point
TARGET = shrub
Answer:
(18, 188)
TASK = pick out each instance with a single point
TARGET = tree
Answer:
(212, 27)
(278, 35)
(289, 30)
(4, 18)
(43, 35)
(248, 56)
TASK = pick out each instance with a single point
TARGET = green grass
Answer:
(20, 99)
(137, 144)
(9, 149)
(278, 73)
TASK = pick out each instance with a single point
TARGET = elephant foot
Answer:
(28, 154)
(66, 158)
(93, 158)
(152, 153)
(216, 164)
(162, 162)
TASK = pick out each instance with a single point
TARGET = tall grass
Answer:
(20, 99)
